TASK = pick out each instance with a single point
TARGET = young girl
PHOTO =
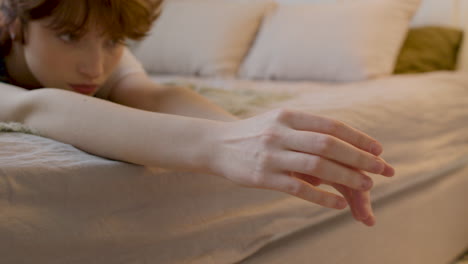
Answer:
(67, 73)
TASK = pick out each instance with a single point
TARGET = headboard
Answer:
(451, 13)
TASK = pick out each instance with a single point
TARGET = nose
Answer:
(91, 64)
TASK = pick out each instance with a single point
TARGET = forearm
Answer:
(182, 101)
(138, 91)
(121, 133)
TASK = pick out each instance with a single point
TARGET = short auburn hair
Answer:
(118, 19)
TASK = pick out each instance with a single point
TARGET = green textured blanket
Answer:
(16, 127)
(236, 101)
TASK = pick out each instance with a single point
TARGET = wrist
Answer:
(211, 152)
(200, 156)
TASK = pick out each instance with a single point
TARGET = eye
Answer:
(115, 42)
(68, 37)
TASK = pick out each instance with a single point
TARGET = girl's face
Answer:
(64, 61)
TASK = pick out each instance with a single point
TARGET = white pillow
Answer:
(201, 37)
(463, 57)
(435, 12)
(338, 41)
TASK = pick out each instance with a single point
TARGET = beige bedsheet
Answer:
(61, 205)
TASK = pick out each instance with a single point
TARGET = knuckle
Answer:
(294, 189)
(322, 199)
(314, 165)
(344, 178)
(265, 159)
(282, 114)
(258, 179)
(335, 126)
(262, 164)
(360, 161)
(325, 144)
(269, 136)
(359, 182)
(361, 140)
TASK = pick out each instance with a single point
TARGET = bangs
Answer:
(117, 19)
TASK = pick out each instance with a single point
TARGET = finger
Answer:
(370, 221)
(349, 198)
(368, 217)
(389, 171)
(357, 205)
(323, 169)
(335, 149)
(362, 203)
(300, 189)
(308, 122)
(359, 201)
(307, 178)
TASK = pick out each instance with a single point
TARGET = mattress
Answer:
(62, 205)
(425, 224)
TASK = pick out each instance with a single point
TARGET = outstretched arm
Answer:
(110, 130)
(259, 152)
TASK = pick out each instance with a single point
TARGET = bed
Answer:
(62, 205)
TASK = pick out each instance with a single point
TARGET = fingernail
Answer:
(367, 184)
(341, 204)
(388, 171)
(376, 149)
(370, 221)
(363, 214)
(379, 167)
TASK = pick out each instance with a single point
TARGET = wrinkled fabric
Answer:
(59, 204)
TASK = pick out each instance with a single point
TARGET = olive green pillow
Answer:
(429, 49)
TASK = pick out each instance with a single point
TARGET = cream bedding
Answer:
(61, 205)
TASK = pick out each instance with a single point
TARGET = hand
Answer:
(262, 151)
(359, 201)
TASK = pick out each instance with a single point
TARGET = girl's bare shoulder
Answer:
(128, 65)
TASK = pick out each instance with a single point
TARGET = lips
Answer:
(84, 88)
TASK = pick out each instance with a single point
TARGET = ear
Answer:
(16, 31)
